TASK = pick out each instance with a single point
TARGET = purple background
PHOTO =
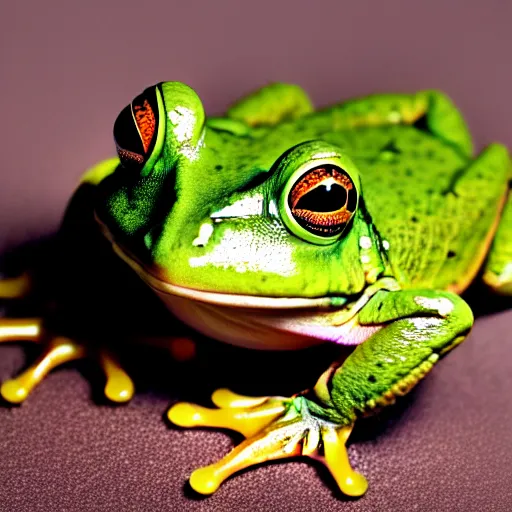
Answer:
(66, 70)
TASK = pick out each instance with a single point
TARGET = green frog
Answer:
(279, 227)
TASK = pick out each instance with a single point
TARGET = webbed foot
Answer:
(275, 428)
(58, 350)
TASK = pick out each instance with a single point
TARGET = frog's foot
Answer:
(275, 428)
(58, 350)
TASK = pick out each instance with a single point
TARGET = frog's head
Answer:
(221, 212)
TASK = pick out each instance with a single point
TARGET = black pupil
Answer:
(328, 197)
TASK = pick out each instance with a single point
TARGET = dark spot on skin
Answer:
(380, 306)
(372, 379)
(390, 147)
(379, 364)
(408, 172)
(451, 254)
(218, 167)
(430, 154)
(414, 219)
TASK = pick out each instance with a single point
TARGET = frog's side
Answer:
(280, 227)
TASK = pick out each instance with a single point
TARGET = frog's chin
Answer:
(266, 329)
(268, 323)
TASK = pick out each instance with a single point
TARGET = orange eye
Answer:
(323, 200)
(136, 129)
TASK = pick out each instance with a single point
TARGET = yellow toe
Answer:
(13, 392)
(119, 390)
(354, 485)
(184, 414)
(226, 398)
(349, 481)
(205, 480)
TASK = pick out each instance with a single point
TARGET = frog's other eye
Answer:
(137, 131)
(320, 203)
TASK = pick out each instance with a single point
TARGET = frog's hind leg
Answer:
(58, 350)
(271, 104)
(428, 110)
(498, 268)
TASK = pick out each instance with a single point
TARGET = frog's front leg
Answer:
(57, 350)
(418, 328)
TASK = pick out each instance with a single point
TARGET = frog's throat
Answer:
(253, 321)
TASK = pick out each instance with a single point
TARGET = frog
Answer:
(278, 226)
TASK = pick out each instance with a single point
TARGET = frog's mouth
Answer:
(224, 299)
(260, 322)
(218, 298)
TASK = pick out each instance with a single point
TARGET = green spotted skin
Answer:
(438, 209)
(427, 197)
(404, 351)
(206, 210)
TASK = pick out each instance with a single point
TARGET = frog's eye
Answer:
(319, 203)
(137, 130)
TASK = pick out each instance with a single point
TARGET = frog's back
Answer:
(435, 207)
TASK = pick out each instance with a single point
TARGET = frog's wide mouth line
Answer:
(219, 298)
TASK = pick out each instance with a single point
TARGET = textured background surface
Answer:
(66, 71)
